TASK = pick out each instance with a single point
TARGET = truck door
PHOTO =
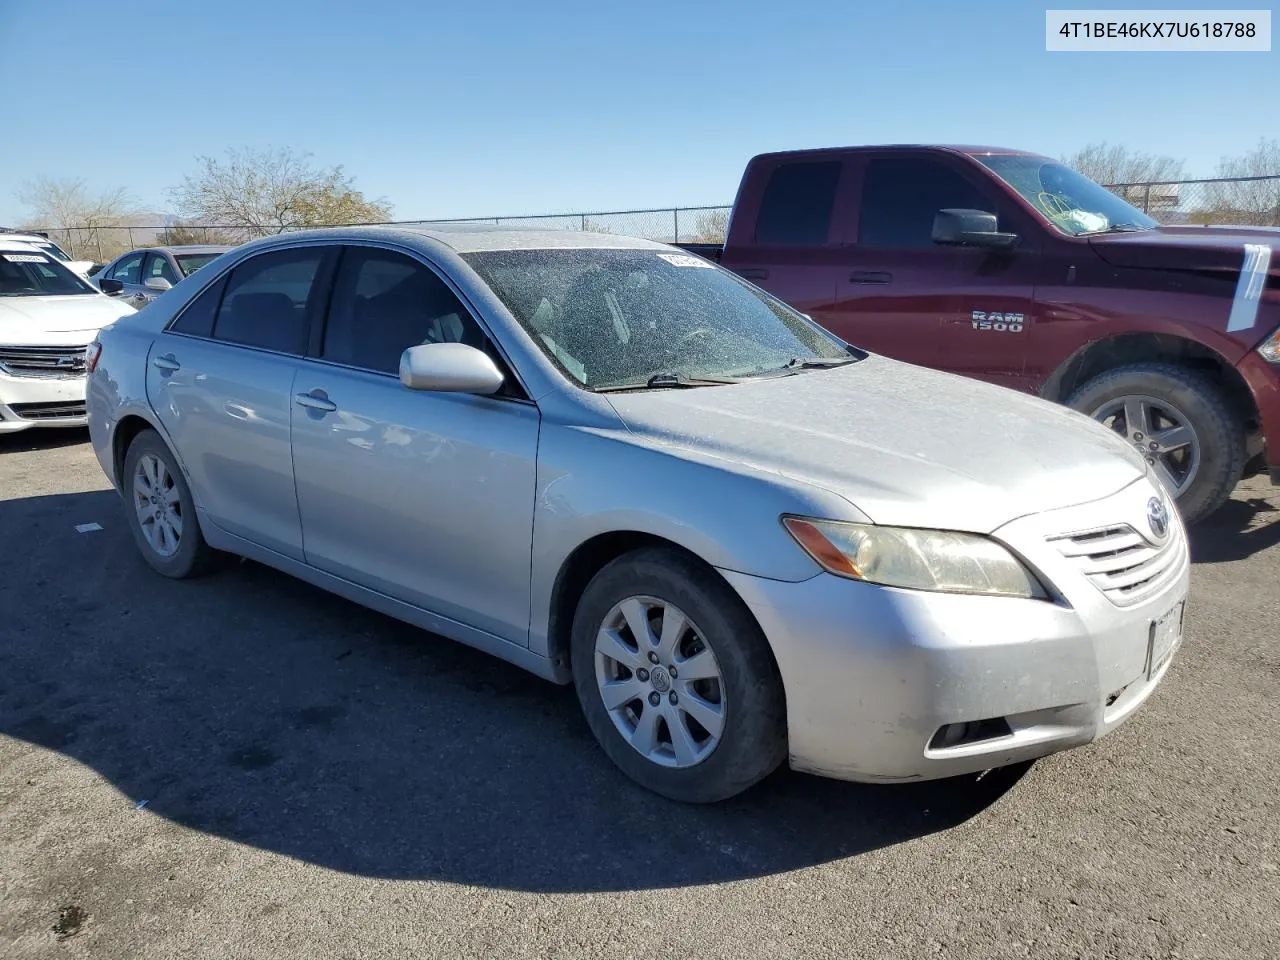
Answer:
(794, 252)
(961, 309)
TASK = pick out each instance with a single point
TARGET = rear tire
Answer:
(161, 513)
(1175, 394)
(653, 729)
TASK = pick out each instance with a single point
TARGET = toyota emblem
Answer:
(1158, 517)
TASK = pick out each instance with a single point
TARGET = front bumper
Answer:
(1264, 382)
(52, 401)
(873, 674)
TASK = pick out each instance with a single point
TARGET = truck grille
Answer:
(1121, 562)
(42, 361)
(49, 411)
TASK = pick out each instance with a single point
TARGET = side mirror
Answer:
(110, 287)
(450, 368)
(159, 284)
(970, 228)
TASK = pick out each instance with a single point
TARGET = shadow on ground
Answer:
(1243, 526)
(251, 706)
(42, 439)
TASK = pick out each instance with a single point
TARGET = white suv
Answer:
(48, 315)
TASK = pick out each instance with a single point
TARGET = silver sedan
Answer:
(617, 465)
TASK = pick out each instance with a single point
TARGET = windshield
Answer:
(189, 263)
(36, 275)
(613, 318)
(1069, 200)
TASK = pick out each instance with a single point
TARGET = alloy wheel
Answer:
(158, 505)
(660, 682)
(1161, 433)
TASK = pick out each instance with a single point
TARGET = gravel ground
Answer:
(244, 766)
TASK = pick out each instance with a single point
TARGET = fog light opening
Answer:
(971, 731)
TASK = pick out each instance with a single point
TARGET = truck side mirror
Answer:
(970, 228)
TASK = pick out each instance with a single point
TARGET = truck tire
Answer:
(676, 679)
(1182, 422)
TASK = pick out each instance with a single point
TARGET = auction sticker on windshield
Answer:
(25, 258)
(680, 260)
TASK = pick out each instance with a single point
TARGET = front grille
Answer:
(42, 361)
(1123, 564)
(48, 411)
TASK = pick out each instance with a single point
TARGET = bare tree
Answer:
(711, 226)
(1253, 202)
(78, 218)
(1109, 164)
(271, 191)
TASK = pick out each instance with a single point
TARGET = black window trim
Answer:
(318, 320)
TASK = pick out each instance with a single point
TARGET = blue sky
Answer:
(475, 108)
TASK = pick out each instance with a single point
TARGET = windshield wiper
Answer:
(816, 363)
(665, 380)
(1119, 228)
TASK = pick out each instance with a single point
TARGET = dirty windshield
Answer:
(619, 318)
(1069, 200)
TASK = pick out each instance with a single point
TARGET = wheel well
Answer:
(1103, 355)
(576, 572)
(128, 428)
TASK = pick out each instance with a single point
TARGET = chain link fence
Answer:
(1251, 201)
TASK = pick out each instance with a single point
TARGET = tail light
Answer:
(91, 354)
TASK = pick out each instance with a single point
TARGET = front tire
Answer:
(1179, 420)
(162, 515)
(676, 679)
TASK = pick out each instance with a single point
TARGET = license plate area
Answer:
(1166, 634)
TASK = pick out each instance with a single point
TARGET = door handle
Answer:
(753, 273)
(313, 402)
(870, 276)
(167, 363)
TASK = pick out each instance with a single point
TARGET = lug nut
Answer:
(1137, 436)
(653, 657)
(642, 675)
(672, 698)
(672, 670)
(1154, 445)
(1151, 459)
(654, 699)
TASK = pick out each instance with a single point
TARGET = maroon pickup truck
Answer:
(1015, 269)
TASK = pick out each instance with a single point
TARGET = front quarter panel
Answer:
(596, 480)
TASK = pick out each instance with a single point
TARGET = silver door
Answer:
(425, 497)
(221, 381)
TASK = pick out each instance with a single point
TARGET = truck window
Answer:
(795, 210)
(901, 197)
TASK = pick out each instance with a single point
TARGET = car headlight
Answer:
(1270, 347)
(939, 560)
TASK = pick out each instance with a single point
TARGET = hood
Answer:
(1200, 249)
(906, 445)
(56, 321)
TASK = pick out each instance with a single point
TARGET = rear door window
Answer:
(795, 210)
(129, 270)
(266, 300)
(158, 265)
(900, 198)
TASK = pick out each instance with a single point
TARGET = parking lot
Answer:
(246, 766)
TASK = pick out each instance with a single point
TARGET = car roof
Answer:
(477, 238)
(967, 149)
(191, 248)
(21, 246)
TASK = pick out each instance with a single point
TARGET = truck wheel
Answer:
(1180, 421)
(676, 679)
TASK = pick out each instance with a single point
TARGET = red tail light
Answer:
(91, 354)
